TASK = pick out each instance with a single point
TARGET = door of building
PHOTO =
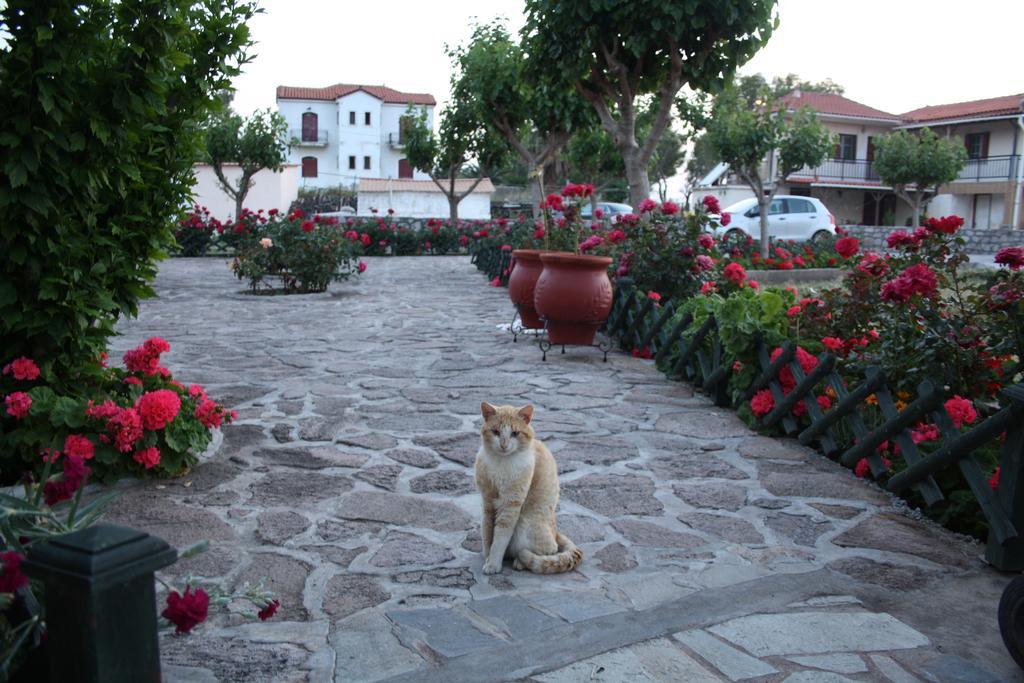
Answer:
(404, 168)
(982, 211)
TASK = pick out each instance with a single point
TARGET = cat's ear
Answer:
(487, 410)
(526, 412)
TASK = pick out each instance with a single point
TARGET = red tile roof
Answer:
(837, 105)
(333, 92)
(993, 106)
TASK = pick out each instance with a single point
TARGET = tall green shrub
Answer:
(101, 110)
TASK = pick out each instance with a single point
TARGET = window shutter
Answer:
(309, 169)
(309, 127)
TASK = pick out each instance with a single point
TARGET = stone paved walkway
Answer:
(711, 553)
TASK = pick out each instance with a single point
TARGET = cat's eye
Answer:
(514, 434)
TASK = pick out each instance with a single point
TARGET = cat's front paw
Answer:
(492, 567)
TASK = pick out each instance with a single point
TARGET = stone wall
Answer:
(979, 240)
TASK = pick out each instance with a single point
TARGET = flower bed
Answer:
(297, 253)
(139, 421)
(912, 313)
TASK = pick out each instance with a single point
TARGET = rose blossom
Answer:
(647, 205)
(266, 242)
(705, 262)
(11, 579)
(711, 204)
(186, 611)
(705, 240)
(269, 610)
(1011, 256)
(734, 273)
(670, 208)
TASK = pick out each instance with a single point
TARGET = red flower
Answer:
(708, 288)
(132, 379)
(148, 457)
(11, 579)
(946, 224)
(22, 368)
(553, 202)
(158, 408)
(993, 483)
(643, 353)
(269, 611)
(762, 403)
(711, 204)
(670, 208)
(873, 264)
(833, 344)
(647, 205)
(591, 242)
(273, 212)
(917, 279)
(18, 404)
(126, 428)
(307, 226)
(793, 311)
(71, 480)
(146, 358)
(961, 411)
(924, 433)
(496, 282)
(847, 246)
(725, 219)
(78, 446)
(463, 240)
(862, 468)
(705, 240)
(824, 403)
(734, 273)
(186, 611)
(901, 239)
(104, 411)
(654, 295)
(1009, 256)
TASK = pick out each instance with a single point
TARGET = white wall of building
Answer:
(269, 191)
(345, 139)
(408, 204)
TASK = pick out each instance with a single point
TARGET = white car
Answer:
(789, 218)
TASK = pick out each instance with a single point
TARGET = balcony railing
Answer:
(305, 138)
(862, 170)
(990, 168)
(396, 140)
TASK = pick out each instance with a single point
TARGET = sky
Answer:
(894, 55)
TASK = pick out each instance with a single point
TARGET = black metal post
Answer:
(100, 603)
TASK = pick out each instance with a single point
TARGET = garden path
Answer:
(712, 553)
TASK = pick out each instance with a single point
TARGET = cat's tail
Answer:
(566, 559)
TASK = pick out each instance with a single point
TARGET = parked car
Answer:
(789, 218)
(610, 209)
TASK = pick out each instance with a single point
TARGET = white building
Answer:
(988, 192)
(423, 198)
(347, 132)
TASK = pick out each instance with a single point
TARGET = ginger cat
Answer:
(518, 481)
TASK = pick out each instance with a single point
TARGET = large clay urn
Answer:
(522, 283)
(574, 295)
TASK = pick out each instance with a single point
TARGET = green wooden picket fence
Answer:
(494, 262)
(695, 354)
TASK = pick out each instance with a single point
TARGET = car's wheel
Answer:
(735, 234)
(1011, 619)
(821, 237)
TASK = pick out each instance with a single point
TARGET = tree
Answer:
(591, 157)
(535, 115)
(783, 85)
(102, 108)
(747, 134)
(915, 165)
(460, 140)
(257, 143)
(619, 53)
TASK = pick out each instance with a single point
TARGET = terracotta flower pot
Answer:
(575, 296)
(522, 283)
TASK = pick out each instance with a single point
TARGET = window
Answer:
(405, 169)
(871, 148)
(846, 148)
(351, 118)
(366, 163)
(309, 167)
(404, 123)
(352, 163)
(309, 127)
(977, 145)
(776, 207)
(800, 206)
(366, 118)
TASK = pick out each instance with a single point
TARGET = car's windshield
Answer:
(740, 206)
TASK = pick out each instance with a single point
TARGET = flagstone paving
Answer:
(712, 553)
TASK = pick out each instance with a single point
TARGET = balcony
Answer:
(862, 172)
(308, 138)
(989, 169)
(396, 140)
